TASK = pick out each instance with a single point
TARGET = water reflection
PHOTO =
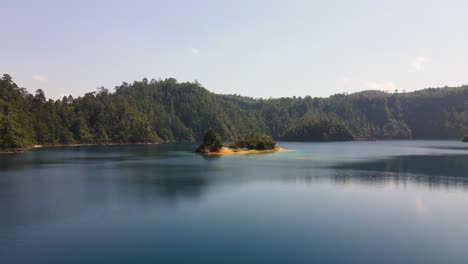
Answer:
(440, 165)
(97, 178)
(432, 182)
(140, 199)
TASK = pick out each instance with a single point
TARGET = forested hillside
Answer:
(165, 110)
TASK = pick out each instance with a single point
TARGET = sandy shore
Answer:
(230, 151)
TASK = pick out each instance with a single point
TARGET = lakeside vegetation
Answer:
(318, 129)
(212, 142)
(150, 111)
(212, 145)
(254, 142)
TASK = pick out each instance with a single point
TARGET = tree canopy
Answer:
(166, 110)
(212, 141)
(318, 129)
(257, 142)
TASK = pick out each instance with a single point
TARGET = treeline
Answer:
(165, 110)
(256, 142)
(321, 128)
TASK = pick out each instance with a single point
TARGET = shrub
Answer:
(257, 142)
(212, 141)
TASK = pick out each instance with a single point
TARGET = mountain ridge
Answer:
(166, 110)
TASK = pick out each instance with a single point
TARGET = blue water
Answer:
(356, 202)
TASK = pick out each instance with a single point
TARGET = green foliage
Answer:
(165, 110)
(212, 138)
(395, 130)
(212, 141)
(257, 142)
(15, 122)
(318, 129)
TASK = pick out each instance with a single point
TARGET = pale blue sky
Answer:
(253, 48)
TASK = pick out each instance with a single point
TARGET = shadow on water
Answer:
(91, 155)
(97, 179)
(155, 183)
(432, 182)
(436, 165)
(34, 200)
(450, 147)
(342, 177)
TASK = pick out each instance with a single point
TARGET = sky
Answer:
(253, 48)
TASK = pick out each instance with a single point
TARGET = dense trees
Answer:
(16, 130)
(212, 141)
(257, 142)
(165, 110)
(317, 129)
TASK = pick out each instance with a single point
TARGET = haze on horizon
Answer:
(252, 48)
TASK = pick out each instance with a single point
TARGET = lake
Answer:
(361, 202)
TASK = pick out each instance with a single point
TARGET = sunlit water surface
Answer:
(361, 202)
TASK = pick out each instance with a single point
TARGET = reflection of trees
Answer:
(49, 196)
(383, 178)
(451, 165)
(48, 186)
(431, 171)
(162, 184)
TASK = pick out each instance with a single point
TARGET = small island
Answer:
(252, 144)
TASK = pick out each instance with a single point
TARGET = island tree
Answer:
(212, 142)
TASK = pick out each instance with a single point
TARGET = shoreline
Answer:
(227, 151)
(19, 150)
(230, 151)
(27, 149)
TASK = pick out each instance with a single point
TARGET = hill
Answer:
(166, 110)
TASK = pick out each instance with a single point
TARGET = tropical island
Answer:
(251, 144)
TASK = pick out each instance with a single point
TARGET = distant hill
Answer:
(165, 110)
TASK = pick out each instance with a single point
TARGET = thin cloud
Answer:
(195, 51)
(388, 86)
(417, 63)
(39, 78)
(343, 83)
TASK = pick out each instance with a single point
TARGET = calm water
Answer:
(362, 202)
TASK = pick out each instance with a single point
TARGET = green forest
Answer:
(166, 110)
